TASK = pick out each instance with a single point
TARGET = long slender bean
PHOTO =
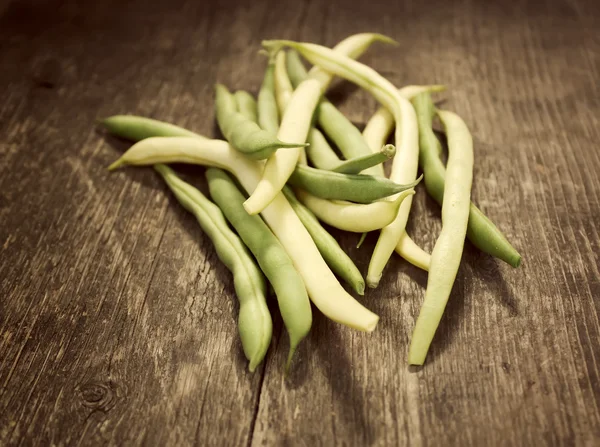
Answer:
(272, 258)
(323, 288)
(244, 134)
(481, 231)
(334, 124)
(361, 164)
(446, 255)
(356, 188)
(280, 165)
(357, 218)
(283, 86)
(268, 115)
(404, 166)
(334, 255)
(254, 320)
(133, 127)
(246, 105)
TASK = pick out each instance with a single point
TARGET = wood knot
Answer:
(101, 396)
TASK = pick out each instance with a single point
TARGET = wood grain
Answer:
(117, 321)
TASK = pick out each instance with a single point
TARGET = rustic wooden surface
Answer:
(117, 322)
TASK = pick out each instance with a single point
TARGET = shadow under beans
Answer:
(487, 269)
(337, 367)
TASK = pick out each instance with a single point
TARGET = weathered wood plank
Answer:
(117, 322)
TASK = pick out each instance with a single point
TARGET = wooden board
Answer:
(118, 322)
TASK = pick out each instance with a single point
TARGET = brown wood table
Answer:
(118, 322)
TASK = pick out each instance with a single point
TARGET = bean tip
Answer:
(373, 281)
(117, 164)
(385, 39)
(360, 287)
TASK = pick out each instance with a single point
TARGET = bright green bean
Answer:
(446, 255)
(354, 217)
(272, 258)
(334, 124)
(268, 115)
(246, 105)
(356, 188)
(133, 127)
(360, 164)
(245, 135)
(254, 321)
(334, 255)
(481, 230)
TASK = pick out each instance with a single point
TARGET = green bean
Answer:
(334, 124)
(268, 115)
(448, 249)
(357, 218)
(245, 135)
(334, 255)
(283, 85)
(272, 258)
(323, 288)
(481, 230)
(359, 164)
(246, 105)
(351, 187)
(137, 128)
(254, 321)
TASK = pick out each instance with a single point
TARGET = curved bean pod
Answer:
(446, 255)
(254, 321)
(481, 230)
(404, 167)
(319, 151)
(356, 188)
(246, 105)
(334, 255)
(361, 164)
(410, 251)
(379, 127)
(268, 115)
(357, 218)
(294, 126)
(323, 288)
(245, 135)
(272, 258)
